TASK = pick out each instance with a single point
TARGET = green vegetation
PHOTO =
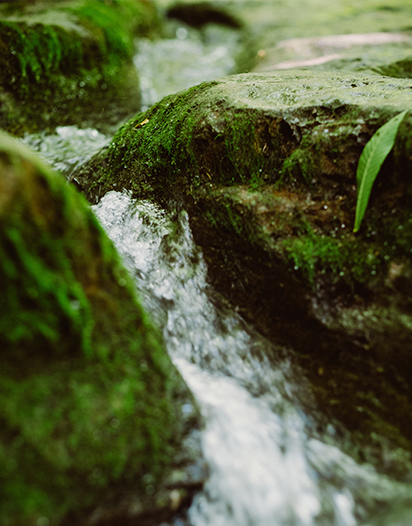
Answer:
(158, 149)
(151, 151)
(344, 259)
(90, 402)
(370, 162)
(76, 54)
(349, 261)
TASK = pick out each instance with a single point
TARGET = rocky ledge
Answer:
(265, 163)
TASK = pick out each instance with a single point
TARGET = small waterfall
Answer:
(267, 465)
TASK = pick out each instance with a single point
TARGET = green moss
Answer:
(80, 55)
(179, 139)
(89, 398)
(159, 140)
(364, 259)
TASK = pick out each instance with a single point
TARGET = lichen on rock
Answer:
(91, 405)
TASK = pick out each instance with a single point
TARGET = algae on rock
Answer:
(90, 403)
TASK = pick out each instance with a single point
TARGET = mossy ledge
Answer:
(91, 405)
(70, 63)
(266, 166)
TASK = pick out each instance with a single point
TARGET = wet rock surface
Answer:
(266, 165)
(92, 425)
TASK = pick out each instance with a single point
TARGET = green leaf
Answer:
(370, 162)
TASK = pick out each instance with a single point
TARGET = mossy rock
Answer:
(91, 405)
(266, 166)
(70, 63)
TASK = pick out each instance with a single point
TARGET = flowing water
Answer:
(268, 464)
(190, 57)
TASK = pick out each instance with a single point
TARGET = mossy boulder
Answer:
(266, 166)
(70, 62)
(90, 405)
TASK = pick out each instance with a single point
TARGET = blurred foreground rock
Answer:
(91, 405)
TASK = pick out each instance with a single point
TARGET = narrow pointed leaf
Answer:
(370, 162)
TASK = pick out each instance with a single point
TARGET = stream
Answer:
(268, 464)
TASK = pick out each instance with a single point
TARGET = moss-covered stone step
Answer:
(90, 403)
(266, 166)
(70, 62)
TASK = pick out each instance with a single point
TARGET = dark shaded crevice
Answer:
(199, 14)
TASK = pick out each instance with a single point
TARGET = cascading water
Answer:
(268, 465)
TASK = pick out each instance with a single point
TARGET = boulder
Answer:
(265, 163)
(91, 405)
(70, 63)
